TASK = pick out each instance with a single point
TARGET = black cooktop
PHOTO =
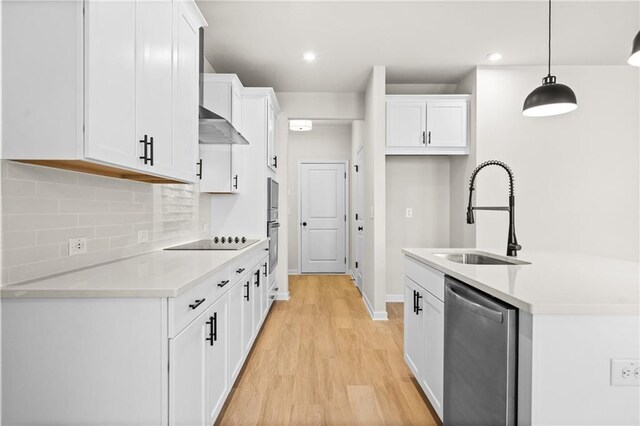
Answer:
(217, 243)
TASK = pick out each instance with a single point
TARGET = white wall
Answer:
(43, 207)
(327, 106)
(576, 175)
(420, 183)
(462, 234)
(374, 195)
(323, 143)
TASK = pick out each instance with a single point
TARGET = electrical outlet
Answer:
(409, 212)
(77, 246)
(625, 372)
(143, 236)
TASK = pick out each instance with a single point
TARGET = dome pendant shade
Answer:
(634, 58)
(549, 99)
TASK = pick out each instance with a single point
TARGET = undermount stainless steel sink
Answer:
(474, 258)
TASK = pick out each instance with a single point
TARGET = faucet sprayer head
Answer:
(470, 218)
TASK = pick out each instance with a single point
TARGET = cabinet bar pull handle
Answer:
(246, 296)
(265, 269)
(211, 337)
(257, 274)
(414, 301)
(151, 150)
(418, 308)
(275, 161)
(199, 164)
(239, 271)
(424, 140)
(235, 182)
(223, 283)
(429, 138)
(146, 149)
(197, 303)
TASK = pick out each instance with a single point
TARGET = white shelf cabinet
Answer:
(115, 72)
(427, 124)
(424, 329)
(118, 350)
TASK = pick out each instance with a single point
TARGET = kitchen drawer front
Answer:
(186, 307)
(425, 276)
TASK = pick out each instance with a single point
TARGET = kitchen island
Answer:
(576, 313)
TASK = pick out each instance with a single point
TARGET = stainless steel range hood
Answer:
(214, 129)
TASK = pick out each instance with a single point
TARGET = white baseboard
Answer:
(293, 272)
(376, 316)
(395, 298)
(282, 296)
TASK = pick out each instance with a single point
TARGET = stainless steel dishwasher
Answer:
(480, 357)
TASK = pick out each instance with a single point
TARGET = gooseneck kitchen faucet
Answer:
(512, 242)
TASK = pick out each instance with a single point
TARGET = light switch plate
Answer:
(625, 372)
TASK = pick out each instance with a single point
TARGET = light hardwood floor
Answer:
(321, 360)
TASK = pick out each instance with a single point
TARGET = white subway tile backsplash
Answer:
(83, 206)
(15, 222)
(20, 205)
(43, 207)
(20, 188)
(18, 239)
(54, 236)
(64, 191)
(113, 230)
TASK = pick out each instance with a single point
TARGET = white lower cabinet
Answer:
(424, 329)
(145, 360)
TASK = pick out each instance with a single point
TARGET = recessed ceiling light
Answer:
(494, 56)
(300, 125)
(309, 56)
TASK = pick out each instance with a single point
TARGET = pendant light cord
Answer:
(549, 59)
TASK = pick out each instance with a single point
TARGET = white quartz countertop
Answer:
(554, 283)
(157, 274)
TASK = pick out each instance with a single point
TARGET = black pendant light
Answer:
(634, 58)
(551, 98)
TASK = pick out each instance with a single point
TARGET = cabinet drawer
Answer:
(186, 307)
(425, 276)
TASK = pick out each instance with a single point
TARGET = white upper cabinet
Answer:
(120, 97)
(221, 169)
(272, 155)
(185, 89)
(406, 123)
(427, 124)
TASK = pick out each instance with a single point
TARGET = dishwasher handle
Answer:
(476, 308)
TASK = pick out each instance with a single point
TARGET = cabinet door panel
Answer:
(433, 377)
(187, 374)
(258, 284)
(217, 360)
(272, 162)
(247, 314)
(447, 123)
(406, 123)
(216, 168)
(236, 353)
(413, 329)
(153, 82)
(110, 83)
(236, 168)
(185, 95)
(265, 287)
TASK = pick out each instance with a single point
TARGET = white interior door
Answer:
(322, 218)
(359, 219)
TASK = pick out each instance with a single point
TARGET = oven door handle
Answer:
(274, 225)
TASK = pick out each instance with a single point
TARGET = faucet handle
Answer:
(516, 247)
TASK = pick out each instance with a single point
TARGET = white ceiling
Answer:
(419, 42)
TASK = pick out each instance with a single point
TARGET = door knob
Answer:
(304, 223)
